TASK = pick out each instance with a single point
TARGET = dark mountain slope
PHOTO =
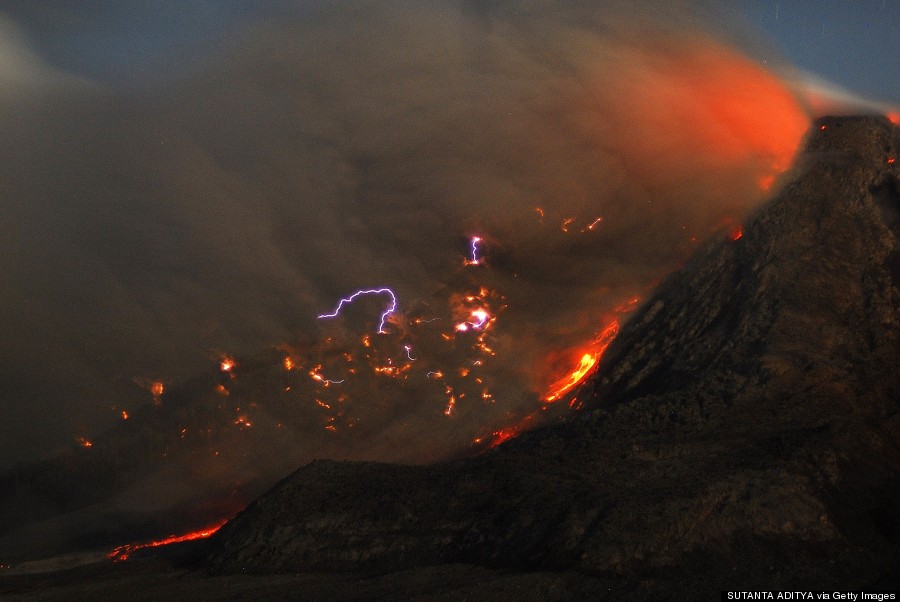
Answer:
(741, 432)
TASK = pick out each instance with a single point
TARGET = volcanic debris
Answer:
(741, 431)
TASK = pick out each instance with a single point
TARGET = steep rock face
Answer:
(741, 429)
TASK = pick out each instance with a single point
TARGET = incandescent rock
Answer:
(741, 430)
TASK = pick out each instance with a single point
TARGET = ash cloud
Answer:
(219, 207)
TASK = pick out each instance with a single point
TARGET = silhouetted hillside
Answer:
(741, 431)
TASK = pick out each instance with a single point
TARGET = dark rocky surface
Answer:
(741, 432)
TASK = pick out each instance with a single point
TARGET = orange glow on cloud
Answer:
(766, 182)
(705, 106)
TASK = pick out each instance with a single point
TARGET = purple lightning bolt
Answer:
(375, 291)
(475, 259)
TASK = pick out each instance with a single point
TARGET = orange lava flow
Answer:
(503, 435)
(568, 382)
(588, 360)
(122, 553)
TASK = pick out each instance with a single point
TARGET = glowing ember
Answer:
(314, 373)
(122, 553)
(157, 389)
(593, 224)
(628, 305)
(86, 443)
(451, 403)
(736, 234)
(505, 434)
(480, 320)
(227, 364)
(288, 363)
(377, 291)
(502, 435)
(894, 118)
(124, 415)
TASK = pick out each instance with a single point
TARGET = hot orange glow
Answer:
(157, 389)
(123, 552)
(766, 181)
(715, 105)
(227, 364)
(568, 382)
(894, 118)
(124, 415)
(498, 437)
(85, 442)
(451, 403)
(628, 306)
(736, 234)
(593, 224)
(588, 360)
(891, 160)
(502, 435)
(288, 363)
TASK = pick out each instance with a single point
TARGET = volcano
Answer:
(739, 433)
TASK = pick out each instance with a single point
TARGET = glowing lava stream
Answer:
(558, 389)
(564, 385)
(122, 552)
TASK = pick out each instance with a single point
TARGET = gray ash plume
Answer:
(740, 430)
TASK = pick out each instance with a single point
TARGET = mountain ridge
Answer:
(740, 429)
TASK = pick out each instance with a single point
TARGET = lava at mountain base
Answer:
(123, 552)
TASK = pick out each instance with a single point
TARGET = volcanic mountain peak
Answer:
(807, 292)
(741, 429)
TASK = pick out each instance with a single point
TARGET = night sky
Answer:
(185, 183)
(845, 42)
(849, 43)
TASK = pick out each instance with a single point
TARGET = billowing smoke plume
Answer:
(153, 229)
